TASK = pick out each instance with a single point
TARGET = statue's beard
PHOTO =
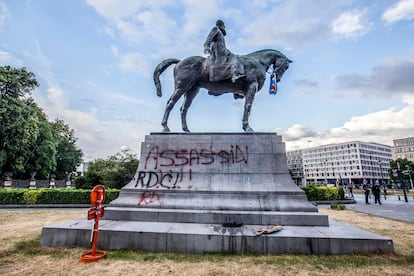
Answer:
(223, 31)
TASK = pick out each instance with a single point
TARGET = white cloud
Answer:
(97, 138)
(198, 15)
(404, 9)
(351, 23)
(380, 127)
(4, 15)
(135, 62)
(136, 21)
(114, 10)
(296, 132)
(7, 58)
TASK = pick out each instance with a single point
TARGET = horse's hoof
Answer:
(186, 130)
(249, 130)
(166, 129)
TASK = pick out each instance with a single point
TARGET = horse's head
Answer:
(280, 67)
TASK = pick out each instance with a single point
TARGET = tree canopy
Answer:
(114, 172)
(28, 141)
(402, 172)
(16, 83)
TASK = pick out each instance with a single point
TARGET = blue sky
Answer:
(352, 76)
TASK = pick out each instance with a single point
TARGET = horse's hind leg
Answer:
(170, 104)
(248, 106)
(188, 99)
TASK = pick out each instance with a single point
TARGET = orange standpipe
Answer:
(95, 212)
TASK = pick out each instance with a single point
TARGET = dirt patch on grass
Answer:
(24, 224)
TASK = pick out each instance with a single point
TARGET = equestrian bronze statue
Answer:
(192, 73)
(242, 75)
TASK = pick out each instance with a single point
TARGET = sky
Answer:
(352, 76)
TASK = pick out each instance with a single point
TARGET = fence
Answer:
(34, 183)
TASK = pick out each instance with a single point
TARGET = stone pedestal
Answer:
(211, 192)
(221, 178)
(68, 184)
(32, 184)
(7, 183)
(52, 184)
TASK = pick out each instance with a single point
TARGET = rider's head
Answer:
(220, 25)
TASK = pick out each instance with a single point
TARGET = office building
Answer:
(295, 165)
(403, 148)
(345, 163)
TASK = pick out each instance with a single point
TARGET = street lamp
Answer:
(304, 174)
(381, 180)
(409, 173)
(400, 173)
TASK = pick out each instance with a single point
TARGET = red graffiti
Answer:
(149, 198)
(191, 157)
(159, 179)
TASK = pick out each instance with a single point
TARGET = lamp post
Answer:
(381, 180)
(400, 173)
(304, 174)
(380, 163)
(409, 173)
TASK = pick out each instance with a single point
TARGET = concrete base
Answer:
(195, 238)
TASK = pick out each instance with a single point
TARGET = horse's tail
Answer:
(158, 71)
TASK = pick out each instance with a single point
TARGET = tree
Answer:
(16, 83)
(113, 172)
(401, 172)
(25, 143)
(68, 155)
(25, 138)
(406, 169)
(42, 151)
(28, 141)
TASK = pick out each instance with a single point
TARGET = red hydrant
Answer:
(95, 212)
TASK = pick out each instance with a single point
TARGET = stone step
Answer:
(195, 238)
(216, 216)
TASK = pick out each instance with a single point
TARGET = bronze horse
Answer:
(192, 73)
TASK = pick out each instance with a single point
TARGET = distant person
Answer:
(385, 191)
(376, 190)
(350, 188)
(365, 189)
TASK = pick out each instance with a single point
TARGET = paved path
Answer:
(390, 208)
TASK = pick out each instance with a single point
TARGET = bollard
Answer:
(95, 212)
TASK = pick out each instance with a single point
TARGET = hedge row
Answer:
(318, 193)
(51, 196)
(79, 196)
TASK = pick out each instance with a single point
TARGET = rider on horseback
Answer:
(223, 63)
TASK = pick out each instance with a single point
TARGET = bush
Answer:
(51, 196)
(30, 196)
(81, 182)
(317, 193)
(336, 206)
(11, 196)
(341, 193)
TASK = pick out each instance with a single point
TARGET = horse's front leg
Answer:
(188, 99)
(248, 106)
